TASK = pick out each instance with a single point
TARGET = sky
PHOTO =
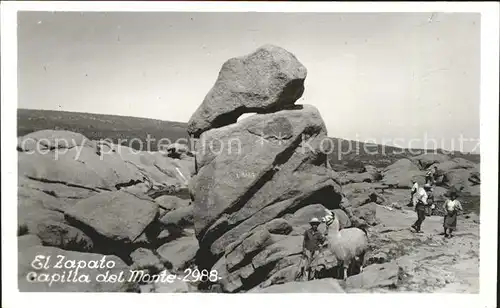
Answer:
(389, 78)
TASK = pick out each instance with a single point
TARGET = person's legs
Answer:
(420, 219)
(416, 224)
(310, 272)
(422, 213)
(308, 258)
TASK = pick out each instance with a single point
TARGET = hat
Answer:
(314, 221)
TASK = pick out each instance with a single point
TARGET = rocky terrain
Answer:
(228, 215)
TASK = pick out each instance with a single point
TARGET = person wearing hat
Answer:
(313, 241)
(420, 203)
(451, 207)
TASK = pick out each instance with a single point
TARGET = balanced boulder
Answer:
(270, 78)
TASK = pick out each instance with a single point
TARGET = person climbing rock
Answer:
(313, 241)
(451, 206)
(430, 176)
(420, 203)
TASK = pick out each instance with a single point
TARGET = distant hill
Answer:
(101, 126)
(361, 154)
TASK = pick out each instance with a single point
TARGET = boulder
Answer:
(46, 140)
(279, 226)
(53, 196)
(368, 213)
(181, 217)
(270, 78)
(169, 202)
(271, 260)
(326, 285)
(116, 216)
(180, 252)
(247, 248)
(34, 198)
(463, 180)
(79, 166)
(384, 275)
(89, 278)
(401, 173)
(261, 170)
(368, 174)
(426, 160)
(456, 163)
(64, 236)
(71, 166)
(49, 226)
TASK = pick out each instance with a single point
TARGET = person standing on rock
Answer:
(451, 207)
(430, 176)
(420, 203)
(313, 241)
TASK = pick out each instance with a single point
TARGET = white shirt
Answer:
(414, 188)
(452, 205)
(421, 195)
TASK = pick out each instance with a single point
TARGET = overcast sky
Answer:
(374, 77)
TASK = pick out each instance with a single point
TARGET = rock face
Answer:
(458, 174)
(180, 252)
(254, 175)
(369, 174)
(376, 276)
(401, 173)
(87, 199)
(270, 78)
(266, 177)
(243, 187)
(117, 216)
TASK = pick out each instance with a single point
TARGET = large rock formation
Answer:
(256, 184)
(257, 170)
(452, 173)
(270, 78)
(85, 199)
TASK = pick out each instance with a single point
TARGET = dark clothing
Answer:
(430, 201)
(312, 240)
(309, 257)
(420, 209)
(311, 246)
(429, 177)
(450, 220)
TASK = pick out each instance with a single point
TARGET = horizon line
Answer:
(185, 123)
